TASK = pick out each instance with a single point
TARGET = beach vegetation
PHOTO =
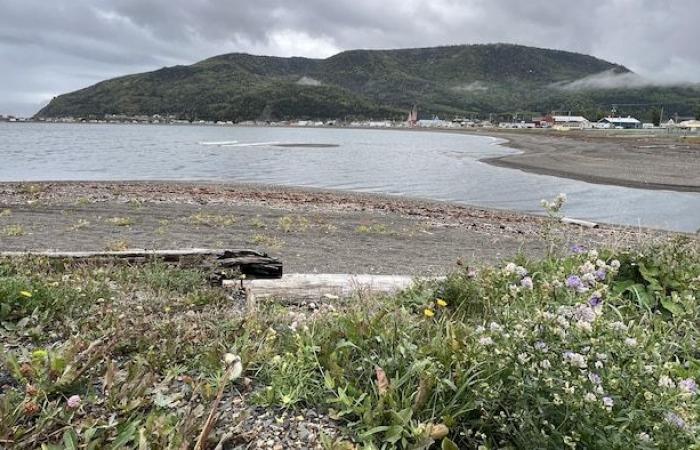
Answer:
(120, 221)
(14, 230)
(596, 348)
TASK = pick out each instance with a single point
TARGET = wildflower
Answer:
(31, 408)
(582, 325)
(25, 294)
(586, 267)
(526, 283)
(574, 282)
(615, 264)
(541, 346)
(675, 420)
(523, 357)
(510, 267)
(688, 385)
(495, 328)
(486, 341)
(644, 437)
(618, 326)
(230, 358)
(427, 312)
(73, 402)
(608, 403)
(600, 274)
(471, 273)
(31, 390)
(440, 302)
(631, 342)
(594, 378)
(520, 271)
(585, 313)
(590, 397)
(545, 364)
(666, 382)
(575, 359)
(578, 249)
(595, 300)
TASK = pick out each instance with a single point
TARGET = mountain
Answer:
(453, 80)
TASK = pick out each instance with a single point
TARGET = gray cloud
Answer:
(47, 48)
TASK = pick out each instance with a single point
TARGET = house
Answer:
(690, 124)
(570, 122)
(628, 122)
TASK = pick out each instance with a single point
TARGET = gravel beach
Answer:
(310, 230)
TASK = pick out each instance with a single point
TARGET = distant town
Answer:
(551, 121)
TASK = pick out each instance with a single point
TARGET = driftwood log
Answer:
(312, 287)
(223, 263)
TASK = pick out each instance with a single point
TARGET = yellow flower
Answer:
(427, 312)
(441, 302)
(25, 294)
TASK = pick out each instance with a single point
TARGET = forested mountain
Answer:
(455, 80)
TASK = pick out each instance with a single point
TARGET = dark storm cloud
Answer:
(50, 47)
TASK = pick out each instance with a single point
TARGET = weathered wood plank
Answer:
(317, 286)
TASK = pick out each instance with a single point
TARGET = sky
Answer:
(49, 47)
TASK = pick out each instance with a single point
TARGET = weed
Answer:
(271, 242)
(289, 224)
(15, 230)
(257, 223)
(376, 228)
(211, 220)
(80, 224)
(5, 213)
(120, 221)
(117, 245)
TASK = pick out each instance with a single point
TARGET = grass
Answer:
(15, 230)
(120, 221)
(81, 224)
(375, 228)
(211, 220)
(499, 357)
(293, 224)
(270, 242)
(5, 213)
(117, 245)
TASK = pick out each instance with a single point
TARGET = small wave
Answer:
(251, 144)
(218, 143)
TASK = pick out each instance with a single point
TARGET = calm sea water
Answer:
(438, 166)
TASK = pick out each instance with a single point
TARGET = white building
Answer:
(571, 122)
(628, 122)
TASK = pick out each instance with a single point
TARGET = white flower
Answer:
(575, 359)
(666, 382)
(631, 342)
(545, 364)
(480, 329)
(588, 278)
(600, 263)
(510, 267)
(644, 437)
(526, 283)
(521, 271)
(587, 267)
(486, 340)
(618, 326)
(584, 326)
(608, 402)
(593, 254)
(523, 358)
(590, 397)
(495, 328)
(615, 264)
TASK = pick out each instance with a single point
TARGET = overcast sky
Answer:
(48, 47)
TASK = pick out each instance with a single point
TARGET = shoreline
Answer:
(598, 160)
(310, 230)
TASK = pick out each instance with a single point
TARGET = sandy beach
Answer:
(650, 161)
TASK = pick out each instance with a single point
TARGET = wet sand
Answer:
(310, 230)
(631, 160)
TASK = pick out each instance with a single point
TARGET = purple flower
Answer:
(541, 346)
(688, 385)
(600, 274)
(675, 419)
(594, 378)
(526, 283)
(73, 402)
(608, 402)
(594, 301)
(574, 282)
(578, 249)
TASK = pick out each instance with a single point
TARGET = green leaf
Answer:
(393, 434)
(70, 440)
(374, 430)
(127, 435)
(671, 306)
(448, 445)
